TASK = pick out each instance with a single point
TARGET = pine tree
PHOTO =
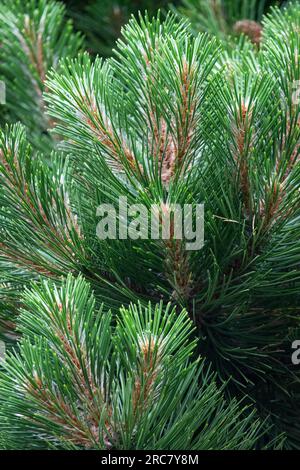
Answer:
(172, 118)
(34, 36)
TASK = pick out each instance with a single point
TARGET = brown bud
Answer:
(250, 28)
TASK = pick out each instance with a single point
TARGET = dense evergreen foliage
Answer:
(141, 344)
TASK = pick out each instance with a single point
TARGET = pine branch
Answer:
(34, 36)
(39, 231)
(137, 389)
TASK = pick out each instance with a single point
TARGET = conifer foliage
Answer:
(34, 36)
(225, 18)
(79, 382)
(172, 118)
